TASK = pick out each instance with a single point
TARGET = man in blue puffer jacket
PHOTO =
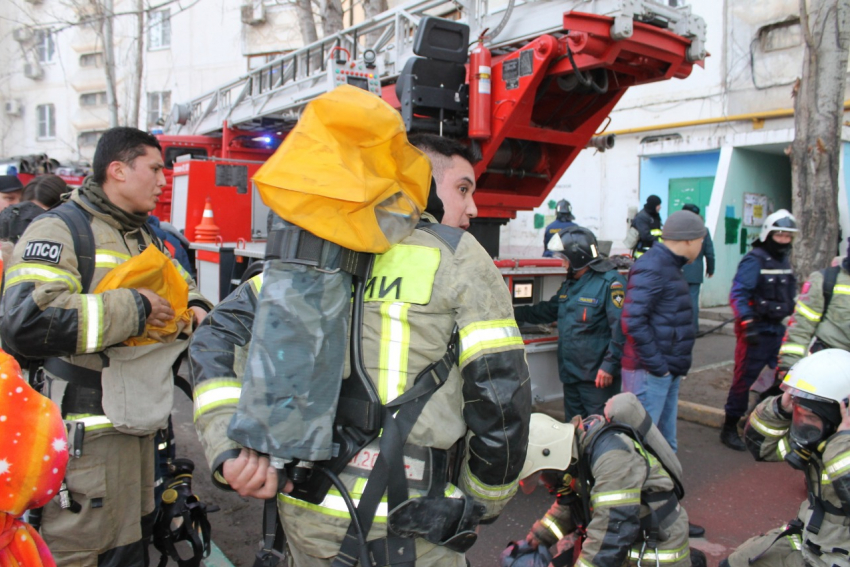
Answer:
(658, 323)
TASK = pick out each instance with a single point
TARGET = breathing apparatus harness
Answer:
(360, 418)
(653, 524)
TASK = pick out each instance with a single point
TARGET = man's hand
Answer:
(200, 314)
(751, 335)
(251, 475)
(161, 311)
(532, 541)
(709, 275)
(603, 379)
(845, 416)
(787, 402)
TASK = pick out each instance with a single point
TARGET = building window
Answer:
(159, 104)
(159, 29)
(784, 35)
(44, 46)
(93, 99)
(88, 138)
(46, 121)
(91, 60)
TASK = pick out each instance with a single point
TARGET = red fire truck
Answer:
(526, 84)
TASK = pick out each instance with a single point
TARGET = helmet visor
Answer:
(807, 428)
(530, 483)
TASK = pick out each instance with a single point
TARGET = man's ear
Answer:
(117, 170)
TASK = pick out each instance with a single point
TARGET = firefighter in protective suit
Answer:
(445, 280)
(617, 501)
(822, 313)
(49, 311)
(808, 426)
(587, 308)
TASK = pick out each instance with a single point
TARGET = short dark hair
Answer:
(46, 189)
(440, 151)
(120, 144)
(447, 147)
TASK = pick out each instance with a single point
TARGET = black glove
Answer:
(751, 334)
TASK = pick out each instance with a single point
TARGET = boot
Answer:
(695, 530)
(729, 434)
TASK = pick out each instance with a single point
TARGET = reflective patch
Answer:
(404, 274)
(618, 297)
(43, 250)
(588, 300)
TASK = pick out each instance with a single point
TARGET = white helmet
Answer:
(550, 445)
(823, 376)
(781, 220)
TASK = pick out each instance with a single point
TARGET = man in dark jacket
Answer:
(658, 323)
(694, 271)
(648, 224)
(587, 308)
(564, 219)
(762, 296)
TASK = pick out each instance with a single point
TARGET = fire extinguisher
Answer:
(479, 91)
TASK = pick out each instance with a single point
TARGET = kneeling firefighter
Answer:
(618, 488)
(434, 356)
(808, 427)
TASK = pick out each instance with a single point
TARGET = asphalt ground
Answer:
(728, 493)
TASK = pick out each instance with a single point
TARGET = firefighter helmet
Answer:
(781, 220)
(564, 209)
(550, 445)
(577, 245)
(822, 376)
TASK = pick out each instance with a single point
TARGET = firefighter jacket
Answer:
(588, 313)
(831, 329)
(763, 290)
(657, 315)
(435, 279)
(627, 481)
(46, 313)
(828, 482)
(648, 225)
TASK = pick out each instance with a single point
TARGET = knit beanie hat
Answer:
(683, 225)
(653, 201)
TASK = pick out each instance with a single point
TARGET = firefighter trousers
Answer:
(782, 552)
(113, 484)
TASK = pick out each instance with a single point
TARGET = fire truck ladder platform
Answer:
(273, 95)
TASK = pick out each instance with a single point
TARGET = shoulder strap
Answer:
(830, 276)
(79, 224)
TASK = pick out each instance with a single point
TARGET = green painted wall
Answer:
(749, 172)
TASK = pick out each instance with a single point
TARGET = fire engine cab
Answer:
(527, 85)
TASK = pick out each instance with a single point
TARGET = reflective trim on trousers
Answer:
(90, 421)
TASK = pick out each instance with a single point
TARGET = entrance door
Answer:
(696, 190)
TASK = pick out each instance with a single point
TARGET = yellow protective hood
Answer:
(347, 173)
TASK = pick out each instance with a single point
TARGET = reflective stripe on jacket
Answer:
(809, 321)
